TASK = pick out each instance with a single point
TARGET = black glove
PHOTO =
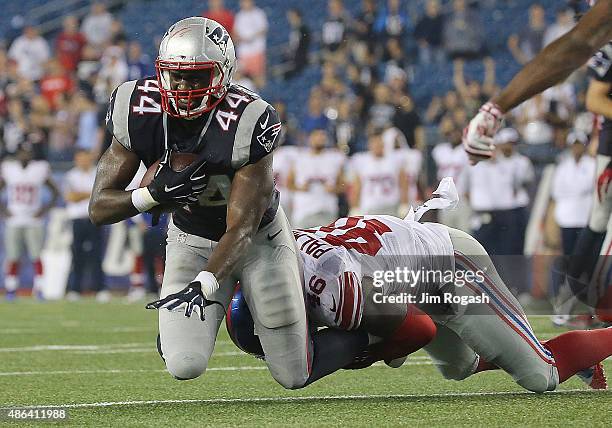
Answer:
(190, 296)
(180, 188)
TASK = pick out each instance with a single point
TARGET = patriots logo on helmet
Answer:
(219, 37)
(268, 135)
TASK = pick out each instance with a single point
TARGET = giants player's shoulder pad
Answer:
(600, 64)
(257, 131)
(134, 108)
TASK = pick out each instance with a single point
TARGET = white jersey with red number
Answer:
(336, 257)
(379, 178)
(318, 171)
(24, 189)
(450, 161)
(282, 163)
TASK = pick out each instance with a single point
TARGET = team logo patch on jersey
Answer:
(219, 37)
(268, 134)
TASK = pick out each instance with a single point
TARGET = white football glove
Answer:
(478, 136)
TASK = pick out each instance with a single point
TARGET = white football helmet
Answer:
(195, 44)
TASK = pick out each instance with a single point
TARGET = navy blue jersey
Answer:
(600, 68)
(241, 130)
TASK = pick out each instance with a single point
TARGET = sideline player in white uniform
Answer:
(228, 227)
(316, 180)
(379, 181)
(284, 160)
(24, 180)
(490, 330)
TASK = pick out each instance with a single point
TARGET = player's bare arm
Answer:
(109, 202)
(597, 99)
(250, 195)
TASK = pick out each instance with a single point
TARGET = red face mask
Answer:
(202, 79)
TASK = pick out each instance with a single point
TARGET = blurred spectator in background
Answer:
(97, 27)
(30, 51)
(295, 56)
(334, 32)
(69, 44)
(63, 129)
(55, 83)
(346, 127)
(382, 111)
(315, 117)
(428, 34)
(88, 131)
(24, 180)
(316, 180)
(378, 181)
(87, 238)
(364, 29)
(563, 24)
(396, 62)
(217, 12)
(113, 72)
(250, 29)
(572, 190)
(451, 160)
(525, 44)
(408, 121)
(139, 64)
(471, 93)
(463, 33)
(392, 22)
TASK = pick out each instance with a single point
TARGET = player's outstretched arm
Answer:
(250, 195)
(109, 201)
(559, 59)
(551, 66)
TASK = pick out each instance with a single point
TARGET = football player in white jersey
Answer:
(366, 267)
(316, 181)
(284, 159)
(24, 180)
(378, 180)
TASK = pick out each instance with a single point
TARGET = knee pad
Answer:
(186, 365)
(536, 382)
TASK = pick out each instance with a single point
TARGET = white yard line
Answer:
(302, 398)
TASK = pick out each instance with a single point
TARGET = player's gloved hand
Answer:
(169, 186)
(478, 136)
(603, 182)
(191, 298)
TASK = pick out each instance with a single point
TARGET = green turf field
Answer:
(101, 360)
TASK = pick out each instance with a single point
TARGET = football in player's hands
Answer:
(178, 162)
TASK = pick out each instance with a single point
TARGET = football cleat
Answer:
(595, 377)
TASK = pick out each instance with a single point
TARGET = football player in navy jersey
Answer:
(229, 226)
